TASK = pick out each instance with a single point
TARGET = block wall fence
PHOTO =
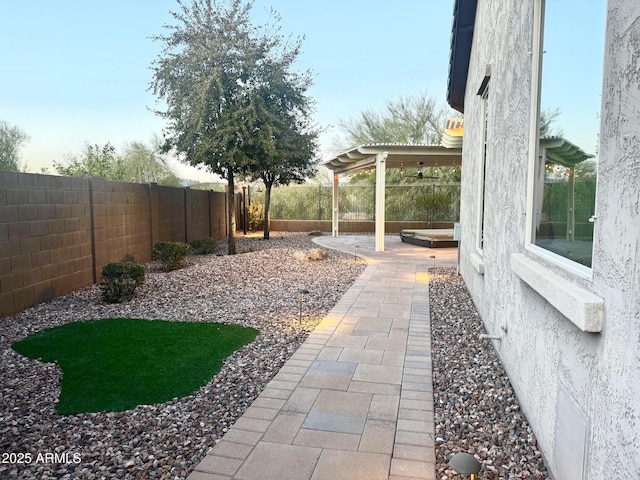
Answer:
(56, 233)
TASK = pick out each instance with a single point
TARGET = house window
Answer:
(568, 61)
(484, 94)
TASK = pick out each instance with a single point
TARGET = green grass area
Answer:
(116, 364)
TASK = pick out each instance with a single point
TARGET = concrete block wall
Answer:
(45, 238)
(56, 233)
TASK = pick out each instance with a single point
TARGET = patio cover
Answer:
(381, 156)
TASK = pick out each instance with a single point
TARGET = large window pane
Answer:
(569, 122)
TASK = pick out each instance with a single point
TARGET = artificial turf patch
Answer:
(117, 364)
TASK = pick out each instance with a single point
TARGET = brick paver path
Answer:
(355, 401)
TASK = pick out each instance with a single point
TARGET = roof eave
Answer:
(464, 14)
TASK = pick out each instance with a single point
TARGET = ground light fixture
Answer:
(302, 293)
(355, 255)
(465, 464)
(433, 257)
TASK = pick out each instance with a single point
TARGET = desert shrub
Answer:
(170, 254)
(203, 246)
(120, 281)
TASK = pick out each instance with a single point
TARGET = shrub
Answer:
(120, 281)
(128, 258)
(170, 254)
(203, 246)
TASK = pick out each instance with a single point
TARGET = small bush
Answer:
(170, 254)
(128, 258)
(203, 246)
(120, 281)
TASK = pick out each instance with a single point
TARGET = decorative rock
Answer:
(166, 441)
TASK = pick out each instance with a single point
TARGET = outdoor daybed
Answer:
(432, 238)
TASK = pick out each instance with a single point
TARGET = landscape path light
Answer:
(302, 293)
(465, 464)
(434, 262)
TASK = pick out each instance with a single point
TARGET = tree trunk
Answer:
(231, 205)
(267, 210)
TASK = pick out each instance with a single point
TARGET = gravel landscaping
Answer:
(476, 410)
(258, 289)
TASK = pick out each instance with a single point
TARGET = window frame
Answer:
(534, 153)
(484, 93)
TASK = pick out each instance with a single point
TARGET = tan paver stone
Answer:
(410, 414)
(370, 387)
(395, 359)
(252, 424)
(347, 341)
(387, 344)
(270, 392)
(322, 439)
(415, 438)
(330, 353)
(345, 329)
(231, 450)
(422, 396)
(384, 407)
(219, 465)
(260, 413)
(293, 462)
(414, 452)
(195, 475)
(361, 355)
(301, 400)
(284, 428)
(242, 436)
(282, 385)
(304, 356)
(410, 468)
(345, 402)
(293, 370)
(378, 374)
(378, 437)
(299, 363)
(367, 324)
(266, 402)
(415, 404)
(421, 426)
(339, 465)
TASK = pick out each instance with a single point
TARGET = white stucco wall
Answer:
(575, 387)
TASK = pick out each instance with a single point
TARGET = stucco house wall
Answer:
(580, 390)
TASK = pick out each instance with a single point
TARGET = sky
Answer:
(78, 71)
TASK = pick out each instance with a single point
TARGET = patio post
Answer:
(334, 206)
(381, 168)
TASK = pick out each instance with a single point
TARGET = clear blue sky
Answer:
(76, 71)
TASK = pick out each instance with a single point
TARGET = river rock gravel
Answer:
(476, 410)
(258, 288)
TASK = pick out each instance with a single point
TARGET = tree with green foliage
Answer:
(415, 120)
(213, 65)
(140, 163)
(145, 164)
(11, 140)
(93, 161)
(282, 141)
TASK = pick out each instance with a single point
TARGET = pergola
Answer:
(383, 156)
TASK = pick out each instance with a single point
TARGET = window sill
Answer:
(580, 306)
(478, 262)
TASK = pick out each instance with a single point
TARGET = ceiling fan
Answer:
(420, 175)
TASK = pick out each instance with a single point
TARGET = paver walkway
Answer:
(355, 401)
